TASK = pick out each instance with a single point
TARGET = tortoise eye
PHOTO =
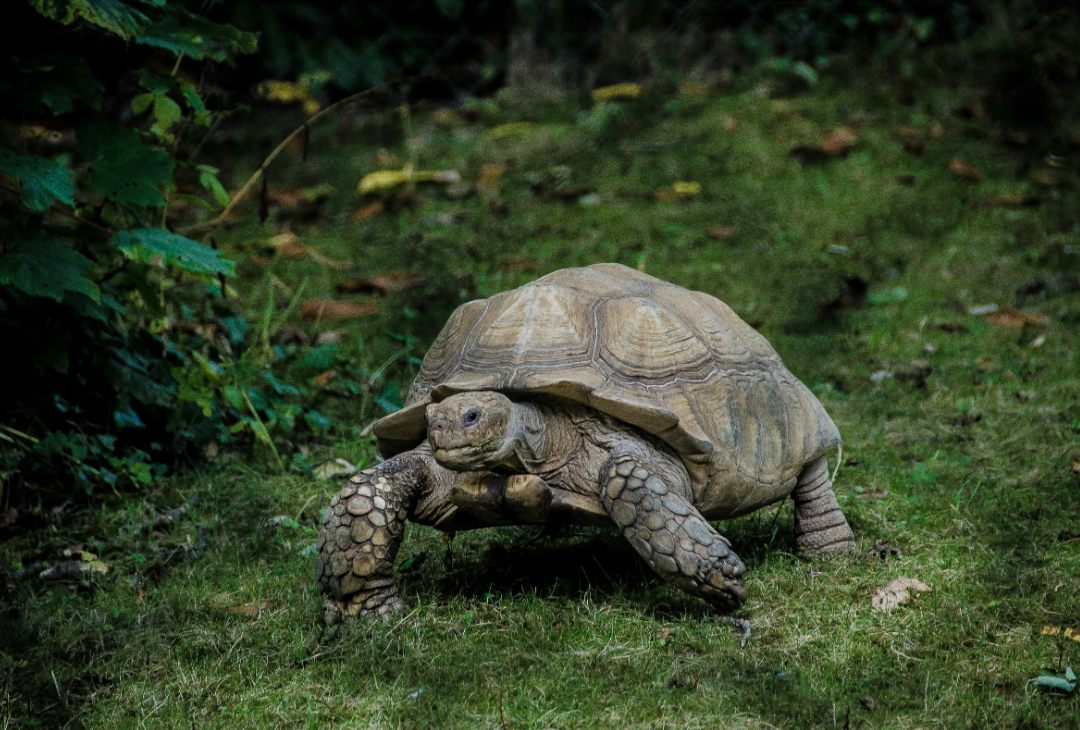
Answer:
(471, 417)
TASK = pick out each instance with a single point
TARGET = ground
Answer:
(863, 228)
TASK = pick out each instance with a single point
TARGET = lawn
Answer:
(912, 260)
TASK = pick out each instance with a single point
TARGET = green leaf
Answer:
(185, 33)
(208, 179)
(888, 296)
(149, 245)
(110, 15)
(166, 114)
(122, 168)
(44, 267)
(41, 180)
(1066, 684)
(141, 103)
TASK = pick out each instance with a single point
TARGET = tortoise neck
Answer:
(544, 437)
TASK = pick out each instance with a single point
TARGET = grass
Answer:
(959, 439)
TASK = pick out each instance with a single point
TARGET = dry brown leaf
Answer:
(251, 610)
(1068, 632)
(369, 210)
(1014, 318)
(693, 89)
(288, 245)
(839, 142)
(722, 233)
(489, 179)
(1011, 200)
(326, 309)
(1047, 177)
(325, 378)
(300, 202)
(912, 139)
(897, 593)
(383, 283)
(973, 110)
(1076, 466)
(518, 263)
(962, 169)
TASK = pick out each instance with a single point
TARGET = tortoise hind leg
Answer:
(670, 534)
(820, 527)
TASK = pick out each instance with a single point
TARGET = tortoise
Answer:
(590, 396)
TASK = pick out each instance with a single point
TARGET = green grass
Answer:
(965, 470)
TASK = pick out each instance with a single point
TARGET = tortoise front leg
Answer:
(361, 533)
(670, 534)
(365, 523)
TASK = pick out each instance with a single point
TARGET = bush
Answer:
(124, 352)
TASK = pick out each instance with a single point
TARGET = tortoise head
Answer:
(473, 431)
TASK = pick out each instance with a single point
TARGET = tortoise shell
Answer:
(675, 363)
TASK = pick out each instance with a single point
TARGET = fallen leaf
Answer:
(729, 124)
(897, 593)
(963, 170)
(251, 610)
(1011, 200)
(287, 92)
(679, 190)
(912, 140)
(1047, 177)
(386, 180)
(325, 378)
(1066, 684)
(518, 263)
(1014, 318)
(627, 90)
(288, 245)
(384, 283)
(973, 110)
(839, 142)
(722, 233)
(329, 309)
(368, 210)
(510, 129)
(300, 203)
(693, 89)
(1076, 467)
(489, 179)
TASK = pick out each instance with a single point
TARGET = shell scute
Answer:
(678, 364)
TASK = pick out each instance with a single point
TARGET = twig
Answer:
(246, 188)
(67, 213)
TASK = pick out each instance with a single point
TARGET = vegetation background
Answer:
(229, 231)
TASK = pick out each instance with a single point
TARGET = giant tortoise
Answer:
(591, 395)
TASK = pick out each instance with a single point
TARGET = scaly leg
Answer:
(820, 526)
(670, 534)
